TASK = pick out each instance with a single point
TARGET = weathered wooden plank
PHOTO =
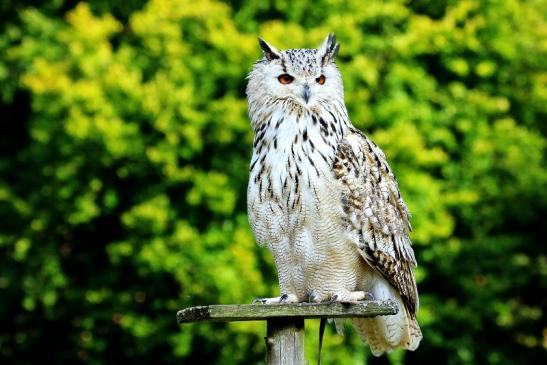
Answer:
(285, 341)
(255, 312)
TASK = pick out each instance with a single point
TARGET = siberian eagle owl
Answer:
(323, 198)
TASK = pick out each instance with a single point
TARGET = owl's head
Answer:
(305, 78)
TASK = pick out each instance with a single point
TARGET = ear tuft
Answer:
(270, 52)
(328, 50)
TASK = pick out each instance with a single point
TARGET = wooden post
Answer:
(285, 333)
(285, 341)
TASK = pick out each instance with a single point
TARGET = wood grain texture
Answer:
(285, 341)
(256, 312)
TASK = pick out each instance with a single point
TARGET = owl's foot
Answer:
(342, 296)
(284, 298)
(350, 297)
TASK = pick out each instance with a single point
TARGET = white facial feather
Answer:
(306, 66)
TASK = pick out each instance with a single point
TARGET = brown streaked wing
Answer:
(374, 206)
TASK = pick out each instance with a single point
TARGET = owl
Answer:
(322, 197)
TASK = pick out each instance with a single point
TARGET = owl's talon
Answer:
(333, 299)
(284, 298)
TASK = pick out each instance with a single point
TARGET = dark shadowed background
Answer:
(124, 152)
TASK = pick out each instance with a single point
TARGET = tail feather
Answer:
(387, 333)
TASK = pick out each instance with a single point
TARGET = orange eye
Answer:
(285, 79)
(321, 79)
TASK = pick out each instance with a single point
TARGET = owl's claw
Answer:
(350, 297)
(288, 298)
(284, 298)
(333, 299)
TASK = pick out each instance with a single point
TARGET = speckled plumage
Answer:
(323, 198)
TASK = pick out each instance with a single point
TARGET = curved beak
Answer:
(306, 93)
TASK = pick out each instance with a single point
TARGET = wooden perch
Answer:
(285, 333)
(257, 312)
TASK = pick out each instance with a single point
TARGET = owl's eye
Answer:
(285, 79)
(321, 79)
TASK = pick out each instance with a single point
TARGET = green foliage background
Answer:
(124, 151)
